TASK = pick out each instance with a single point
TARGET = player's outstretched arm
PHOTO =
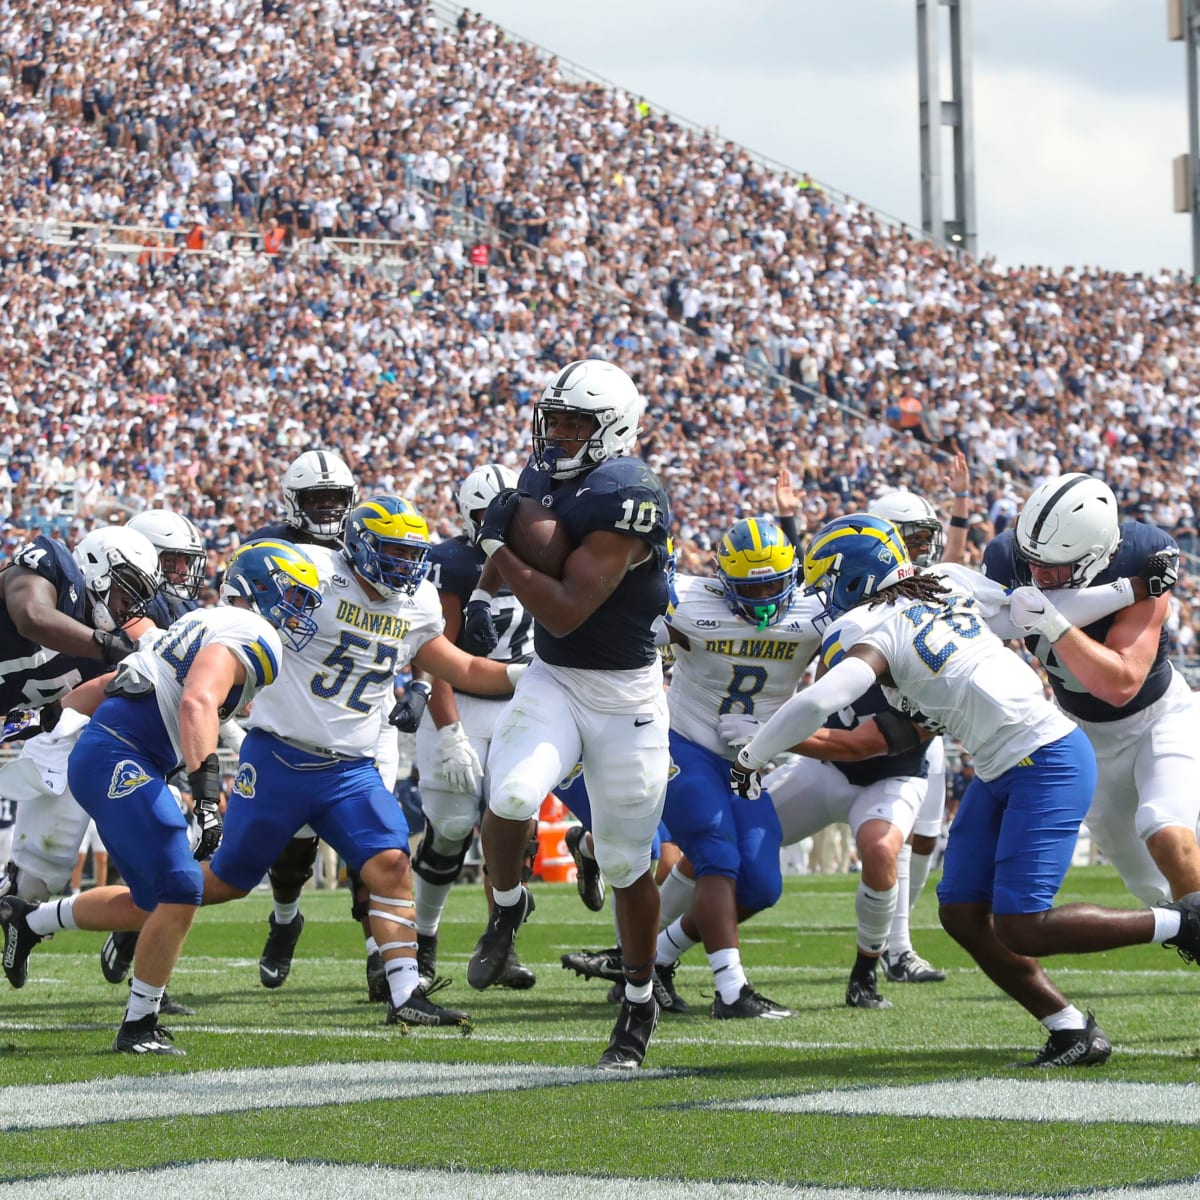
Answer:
(958, 479)
(32, 602)
(465, 672)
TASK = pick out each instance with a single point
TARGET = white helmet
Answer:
(596, 389)
(318, 491)
(914, 516)
(181, 555)
(479, 489)
(1070, 521)
(118, 564)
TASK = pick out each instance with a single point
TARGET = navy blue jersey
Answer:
(1002, 563)
(30, 675)
(164, 610)
(454, 569)
(883, 766)
(625, 496)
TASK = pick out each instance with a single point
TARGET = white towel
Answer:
(42, 767)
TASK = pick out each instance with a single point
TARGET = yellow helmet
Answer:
(387, 540)
(756, 565)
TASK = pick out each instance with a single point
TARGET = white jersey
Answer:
(951, 669)
(732, 665)
(330, 694)
(252, 640)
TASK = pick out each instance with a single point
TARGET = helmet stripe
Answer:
(1042, 517)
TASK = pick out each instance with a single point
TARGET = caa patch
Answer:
(339, 581)
(246, 781)
(127, 777)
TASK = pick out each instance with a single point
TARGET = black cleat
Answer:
(863, 993)
(1187, 940)
(19, 939)
(418, 1009)
(144, 1036)
(910, 967)
(378, 991)
(630, 1036)
(427, 945)
(596, 964)
(616, 993)
(749, 1004)
(490, 956)
(669, 1000)
(588, 879)
(116, 955)
(276, 962)
(1086, 1047)
(516, 976)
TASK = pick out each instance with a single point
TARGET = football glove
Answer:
(1032, 612)
(205, 785)
(736, 729)
(407, 714)
(479, 636)
(114, 647)
(457, 760)
(1161, 570)
(744, 779)
(497, 517)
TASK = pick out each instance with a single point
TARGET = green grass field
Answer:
(718, 1100)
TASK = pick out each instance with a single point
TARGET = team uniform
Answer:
(309, 755)
(727, 665)
(1147, 751)
(119, 767)
(596, 695)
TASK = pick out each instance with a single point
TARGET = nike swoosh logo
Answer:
(582, 490)
(638, 722)
(274, 974)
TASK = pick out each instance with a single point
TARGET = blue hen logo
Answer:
(127, 777)
(245, 782)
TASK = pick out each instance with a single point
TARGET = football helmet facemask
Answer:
(318, 491)
(852, 559)
(387, 542)
(589, 413)
(120, 574)
(182, 558)
(280, 582)
(756, 565)
(918, 523)
(479, 489)
(1068, 530)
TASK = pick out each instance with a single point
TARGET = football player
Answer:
(1115, 678)
(309, 756)
(161, 708)
(742, 644)
(595, 688)
(453, 739)
(927, 642)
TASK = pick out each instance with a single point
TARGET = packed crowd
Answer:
(768, 322)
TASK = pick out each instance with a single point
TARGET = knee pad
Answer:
(623, 863)
(442, 864)
(294, 867)
(760, 888)
(183, 885)
(26, 885)
(514, 801)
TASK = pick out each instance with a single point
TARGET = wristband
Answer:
(480, 594)
(514, 671)
(205, 781)
(490, 545)
(962, 495)
(959, 523)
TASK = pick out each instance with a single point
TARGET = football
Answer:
(537, 537)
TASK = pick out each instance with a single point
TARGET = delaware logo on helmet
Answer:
(127, 777)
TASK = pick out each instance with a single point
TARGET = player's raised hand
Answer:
(958, 476)
(786, 500)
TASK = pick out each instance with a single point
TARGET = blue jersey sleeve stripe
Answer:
(833, 654)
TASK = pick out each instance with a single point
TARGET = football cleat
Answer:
(588, 879)
(863, 993)
(418, 1009)
(19, 939)
(427, 945)
(616, 993)
(516, 976)
(116, 955)
(749, 1004)
(145, 1036)
(630, 1036)
(1187, 940)
(1086, 1047)
(276, 962)
(490, 956)
(909, 967)
(170, 1007)
(596, 964)
(378, 991)
(669, 1000)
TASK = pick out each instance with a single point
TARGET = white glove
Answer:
(1032, 612)
(736, 729)
(458, 763)
(514, 671)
